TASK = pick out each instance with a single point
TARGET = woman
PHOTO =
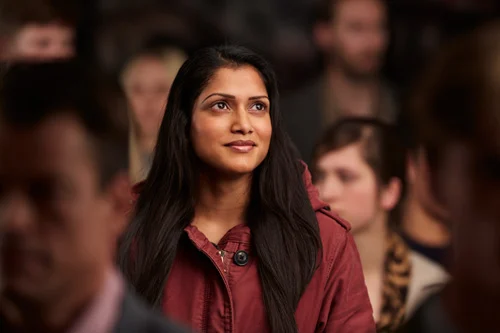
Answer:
(229, 234)
(146, 81)
(455, 113)
(358, 168)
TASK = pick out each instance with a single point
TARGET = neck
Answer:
(141, 150)
(54, 315)
(422, 227)
(371, 244)
(356, 96)
(221, 204)
(146, 144)
(340, 79)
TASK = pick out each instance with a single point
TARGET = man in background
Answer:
(36, 30)
(351, 36)
(64, 199)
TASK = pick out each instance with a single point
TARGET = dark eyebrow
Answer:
(219, 94)
(233, 97)
(258, 97)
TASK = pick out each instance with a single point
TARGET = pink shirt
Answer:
(103, 313)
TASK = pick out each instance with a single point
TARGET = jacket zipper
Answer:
(208, 291)
(222, 254)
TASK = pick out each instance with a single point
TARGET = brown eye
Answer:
(220, 106)
(258, 107)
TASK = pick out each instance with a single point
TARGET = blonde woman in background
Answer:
(146, 81)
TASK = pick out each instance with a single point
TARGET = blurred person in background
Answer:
(229, 234)
(352, 38)
(424, 224)
(425, 220)
(64, 197)
(146, 81)
(123, 33)
(358, 168)
(456, 112)
(36, 30)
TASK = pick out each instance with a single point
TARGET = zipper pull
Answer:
(222, 253)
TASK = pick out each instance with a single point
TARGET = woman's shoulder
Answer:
(430, 318)
(427, 277)
(329, 222)
(428, 270)
(334, 233)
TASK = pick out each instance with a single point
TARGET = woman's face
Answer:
(147, 84)
(231, 125)
(348, 184)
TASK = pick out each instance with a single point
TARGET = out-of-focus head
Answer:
(358, 169)
(219, 113)
(456, 112)
(420, 187)
(35, 30)
(64, 190)
(146, 80)
(353, 34)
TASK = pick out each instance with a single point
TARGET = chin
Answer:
(239, 168)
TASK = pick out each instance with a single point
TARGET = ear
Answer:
(390, 195)
(120, 196)
(323, 36)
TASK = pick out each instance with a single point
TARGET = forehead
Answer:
(347, 157)
(240, 81)
(145, 63)
(57, 143)
(366, 10)
(34, 30)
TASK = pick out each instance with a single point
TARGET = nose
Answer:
(241, 122)
(15, 214)
(330, 190)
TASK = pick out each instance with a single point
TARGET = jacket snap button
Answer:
(240, 258)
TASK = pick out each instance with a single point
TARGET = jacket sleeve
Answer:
(346, 298)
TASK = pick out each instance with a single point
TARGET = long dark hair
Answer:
(284, 227)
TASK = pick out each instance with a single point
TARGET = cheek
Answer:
(206, 134)
(362, 193)
(361, 201)
(264, 129)
(84, 235)
(346, 41)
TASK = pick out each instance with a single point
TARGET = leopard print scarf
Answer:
(397, 272)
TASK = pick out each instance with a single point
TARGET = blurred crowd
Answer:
(393, 106)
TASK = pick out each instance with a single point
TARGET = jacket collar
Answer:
(312, 191)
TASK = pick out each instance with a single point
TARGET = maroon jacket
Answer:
(211, 293)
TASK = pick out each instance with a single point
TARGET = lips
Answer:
(241, 146)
